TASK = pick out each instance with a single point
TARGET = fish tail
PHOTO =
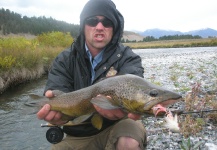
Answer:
(32, 104)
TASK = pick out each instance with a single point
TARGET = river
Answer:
(20, 129)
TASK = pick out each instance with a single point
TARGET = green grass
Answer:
(24, 59)
(19, 52)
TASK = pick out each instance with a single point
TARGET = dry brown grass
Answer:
(174, 43)
(17, 76)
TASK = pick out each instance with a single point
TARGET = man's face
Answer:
(98, 32)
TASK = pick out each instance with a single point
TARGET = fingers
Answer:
(134, 116)
(43, 112)
(53, 117)
(113, 114)
(116, 114)
(49, 94)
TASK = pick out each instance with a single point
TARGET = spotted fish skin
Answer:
(128, 92)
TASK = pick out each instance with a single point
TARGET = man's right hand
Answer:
(53, 117)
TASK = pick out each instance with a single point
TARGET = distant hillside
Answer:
(14, 23)
(205, 33)
(158, 32)
(132, 36)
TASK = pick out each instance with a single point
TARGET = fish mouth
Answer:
(169, 102)
(166, 102)
(159, 108)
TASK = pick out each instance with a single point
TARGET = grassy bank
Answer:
(24, 59)
(174, 43)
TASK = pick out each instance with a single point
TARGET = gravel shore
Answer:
(178, 69)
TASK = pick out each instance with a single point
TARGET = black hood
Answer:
(107, 9)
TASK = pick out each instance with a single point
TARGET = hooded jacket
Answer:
(71, 70)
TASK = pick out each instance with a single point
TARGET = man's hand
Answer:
(53, 117)
(115, 114)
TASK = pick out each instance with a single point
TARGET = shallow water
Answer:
(20, 129)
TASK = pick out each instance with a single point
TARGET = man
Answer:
(89, 59)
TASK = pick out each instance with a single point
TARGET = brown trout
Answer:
(127, 92)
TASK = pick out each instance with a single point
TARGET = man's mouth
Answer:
(99, 36)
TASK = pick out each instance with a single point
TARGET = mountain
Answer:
(132, 36)
(205, 33)
(158, 32)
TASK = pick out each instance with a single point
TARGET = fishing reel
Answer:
(54, 134)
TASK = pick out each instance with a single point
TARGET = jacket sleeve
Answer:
(60, 76)
(131, 63)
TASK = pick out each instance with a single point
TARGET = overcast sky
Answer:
(140, 15)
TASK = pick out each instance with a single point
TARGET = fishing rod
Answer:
(180, 112)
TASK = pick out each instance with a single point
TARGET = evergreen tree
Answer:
(11, 22)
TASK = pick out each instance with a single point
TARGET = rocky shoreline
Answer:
(179, 69)
(175, 69)
(160, 138)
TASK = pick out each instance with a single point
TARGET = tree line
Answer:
(11, 22)
(166, 37)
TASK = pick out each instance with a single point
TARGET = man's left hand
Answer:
(115, 114)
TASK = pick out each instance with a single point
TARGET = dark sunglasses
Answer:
(93, 21)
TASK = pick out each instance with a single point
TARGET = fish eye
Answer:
(153, 93)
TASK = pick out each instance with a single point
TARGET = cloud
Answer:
(180, 15)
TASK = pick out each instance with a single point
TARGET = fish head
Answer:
(148, 95)
(160, 96)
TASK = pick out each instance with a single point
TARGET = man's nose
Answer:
(99, 26)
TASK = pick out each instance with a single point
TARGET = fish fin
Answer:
(103, 102)
(66, 117)
(81, 119)
(35, 97)
(97, 121)
(70, 123)
(33, 104)
(36, 100)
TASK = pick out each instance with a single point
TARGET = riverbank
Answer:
(17, 76)
(177, 69)
(23, 59)
(206, 42)
(191, 72)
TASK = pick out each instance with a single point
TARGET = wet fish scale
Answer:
(128, 92)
